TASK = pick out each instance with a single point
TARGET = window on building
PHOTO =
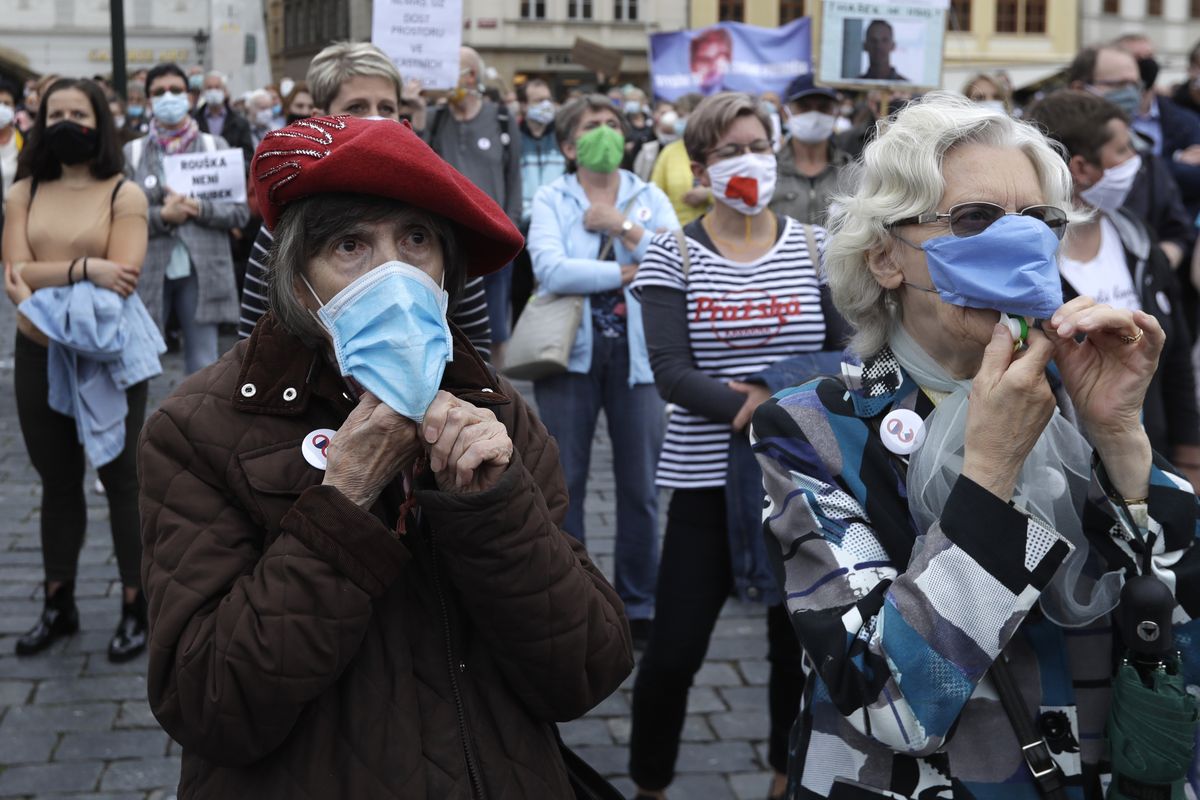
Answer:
(790, 10)
(1114, 6)
(1021, 16)
(533, 9)
(1195, 9)
(1035, 16)
(731, 11)
(1154, 8)
(626, 10)
(959, 18)
(579, 9)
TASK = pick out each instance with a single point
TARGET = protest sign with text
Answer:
(730, 56)
(895, 43)
(218, 175)
(422, 37)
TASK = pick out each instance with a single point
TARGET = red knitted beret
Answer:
(383, 158)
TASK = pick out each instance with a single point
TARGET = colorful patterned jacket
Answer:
(899, 630)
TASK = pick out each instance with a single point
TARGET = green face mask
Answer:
(600, 149)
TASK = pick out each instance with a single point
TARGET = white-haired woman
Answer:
(931, 511)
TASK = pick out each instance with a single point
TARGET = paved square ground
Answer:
(74, 726)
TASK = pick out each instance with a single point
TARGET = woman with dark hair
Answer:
(355, 560)
(298, 104)
(72, 217)
(189, 263)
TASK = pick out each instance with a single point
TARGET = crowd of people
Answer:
(917, 372)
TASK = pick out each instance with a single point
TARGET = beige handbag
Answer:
(541, 342)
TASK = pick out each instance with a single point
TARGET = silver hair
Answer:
(259, 94)
(900, 175)
(216, 73)
(341, 61)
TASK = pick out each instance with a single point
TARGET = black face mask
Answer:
(1148, 69)
(295, 118)
(71, 142)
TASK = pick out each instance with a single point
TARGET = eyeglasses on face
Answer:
(159, 91)
(972, 219)
(758, 147)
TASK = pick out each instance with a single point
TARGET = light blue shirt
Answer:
(100, 345)
(1150, 126)
(566, 257)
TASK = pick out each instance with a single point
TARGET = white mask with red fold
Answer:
(745, 183)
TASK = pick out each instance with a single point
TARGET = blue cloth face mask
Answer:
(390, 334)
(1010, 266)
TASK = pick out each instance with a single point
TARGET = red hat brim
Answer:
(382, 158)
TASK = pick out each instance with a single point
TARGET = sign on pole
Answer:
(730, 56)
(422, 37)
(217, 176)
(895, 44)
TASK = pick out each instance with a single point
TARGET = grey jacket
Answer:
(206, 238)
(801, 197)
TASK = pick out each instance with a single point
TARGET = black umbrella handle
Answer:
(1144, 620)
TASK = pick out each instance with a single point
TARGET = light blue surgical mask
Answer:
(1128, 98)
(1010, 266)
(390, 334)
(169, 108)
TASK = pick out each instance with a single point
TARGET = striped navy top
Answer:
(742, 317)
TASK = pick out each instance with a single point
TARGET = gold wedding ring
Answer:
(1133, 339)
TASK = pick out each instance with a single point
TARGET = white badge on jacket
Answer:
(902, 431)
(314, 447)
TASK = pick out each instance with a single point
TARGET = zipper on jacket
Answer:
(451, 667)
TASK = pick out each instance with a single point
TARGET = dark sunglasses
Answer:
(159, 91)
(971, 219)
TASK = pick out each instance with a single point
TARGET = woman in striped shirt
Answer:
(730, 305)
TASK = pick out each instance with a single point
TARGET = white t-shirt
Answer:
(8, 163)
(741, 319)
(1106, 277)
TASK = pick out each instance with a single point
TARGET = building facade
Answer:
(520, 39)
(1173, 26)
(72, 37)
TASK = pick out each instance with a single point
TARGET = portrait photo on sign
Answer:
(882, 44)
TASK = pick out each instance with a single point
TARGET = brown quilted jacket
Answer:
(301, 648)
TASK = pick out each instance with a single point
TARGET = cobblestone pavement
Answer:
(72, 725)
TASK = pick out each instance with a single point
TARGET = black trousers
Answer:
(695, 578)
(58, 457)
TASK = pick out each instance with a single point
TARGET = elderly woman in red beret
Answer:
(358, 581)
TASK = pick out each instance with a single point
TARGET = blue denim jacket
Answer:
(753, 577)
(100, 345)
(565, 257)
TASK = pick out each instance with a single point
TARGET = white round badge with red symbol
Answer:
(902, 431)
(314, 447)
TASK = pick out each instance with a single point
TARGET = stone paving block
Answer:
(79, 776)
(89, 640)
(702, 700)
(615, 705)
(695, 729)
(109, 745)
(146, 773)
(741, 626)
(135, 714)
(15, 692)
(700, 787)
(716, 757)
(717, 674)
(92, 796)
(26, 747)
(744, 698)
(17, 615)
(748, 725)
(585, 731)
(40, 667)
(108, 687)
(727, 648)
(755, 672)
(59, 718)
(751, 785)
(605, 759)
(98, 664)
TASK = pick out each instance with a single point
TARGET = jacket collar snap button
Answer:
(289, 394)
(249, 390)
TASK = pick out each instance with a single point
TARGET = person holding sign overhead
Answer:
(189, 266)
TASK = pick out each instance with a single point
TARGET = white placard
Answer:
(422, 37)
(219, 176)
